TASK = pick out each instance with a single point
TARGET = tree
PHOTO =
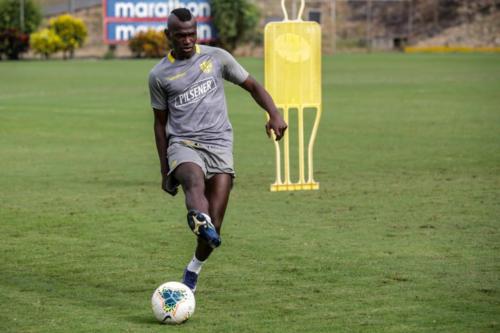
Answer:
(14, 36)
(10, 16)
(236, 22)
(72, 32)
(45, 42)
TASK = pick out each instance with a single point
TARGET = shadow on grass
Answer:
(120, 182)
(143, 320)
(151, 321)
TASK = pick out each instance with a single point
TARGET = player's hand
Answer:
(169, 185)
(277, 125)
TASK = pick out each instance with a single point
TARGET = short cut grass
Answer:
(403, 235)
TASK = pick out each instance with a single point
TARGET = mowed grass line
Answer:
(402, 236)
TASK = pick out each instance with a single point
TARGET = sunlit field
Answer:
(403, 235)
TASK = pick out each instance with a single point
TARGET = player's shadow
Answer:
(121, 182)
(150, 320)
(143, 320)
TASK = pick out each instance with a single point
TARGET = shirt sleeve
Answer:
(232, 70)
(156, 93)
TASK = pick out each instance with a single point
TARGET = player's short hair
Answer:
(182, 14)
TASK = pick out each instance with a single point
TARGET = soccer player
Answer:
(193, 134)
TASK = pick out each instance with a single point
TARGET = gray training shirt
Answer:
(192, 90)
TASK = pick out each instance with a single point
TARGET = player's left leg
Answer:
(217, 190)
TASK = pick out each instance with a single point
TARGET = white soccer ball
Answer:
(173, 303)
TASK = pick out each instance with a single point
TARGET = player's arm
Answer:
(262, 97)
(159, 128)
(160, 109)
(234, 72)
(161, 138)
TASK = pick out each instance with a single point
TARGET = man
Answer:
(192, 131)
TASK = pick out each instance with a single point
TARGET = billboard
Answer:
(124, 18)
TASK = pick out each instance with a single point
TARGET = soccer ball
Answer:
(173, 303)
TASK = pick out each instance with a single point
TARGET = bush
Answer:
(45, 42)
(451, 49)
(110, 53)
(72, 32)
(236, 22)
(149, 44)
(13, 43)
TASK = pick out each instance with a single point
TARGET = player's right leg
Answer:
(192, 179)
(217, 193)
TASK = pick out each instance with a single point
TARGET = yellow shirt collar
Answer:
(172, 59)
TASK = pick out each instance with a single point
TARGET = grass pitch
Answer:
(403, 235)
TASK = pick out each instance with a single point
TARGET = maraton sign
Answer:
(124, 18)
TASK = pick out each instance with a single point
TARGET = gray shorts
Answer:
(211, 159)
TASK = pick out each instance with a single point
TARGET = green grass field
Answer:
(403, 235)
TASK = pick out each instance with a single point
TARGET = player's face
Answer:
(182, 37)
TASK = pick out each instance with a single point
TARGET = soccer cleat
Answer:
(190, 279)
(203, 228)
